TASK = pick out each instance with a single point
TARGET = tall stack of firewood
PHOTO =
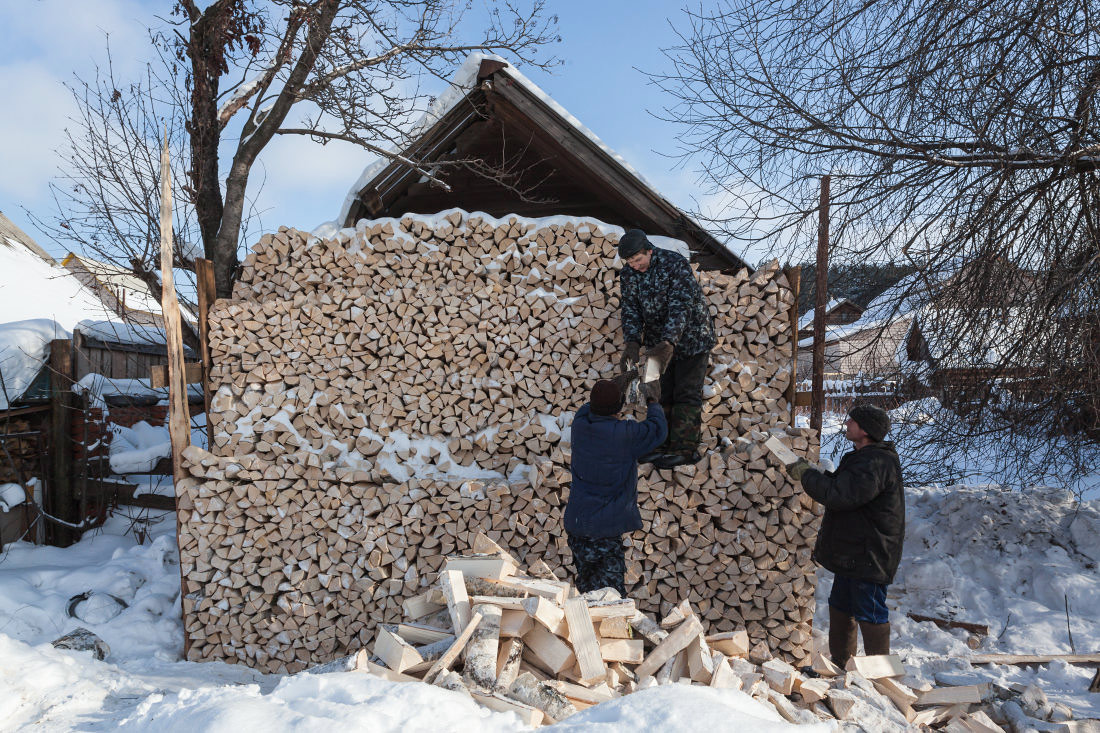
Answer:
(385, 394)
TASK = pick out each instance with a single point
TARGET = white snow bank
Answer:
(11, 496)
(137, 449)
(681, 707)
(321, 703)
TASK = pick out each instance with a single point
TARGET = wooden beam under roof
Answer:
(624, 199)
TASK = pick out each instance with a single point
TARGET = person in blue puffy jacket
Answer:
(603, 499)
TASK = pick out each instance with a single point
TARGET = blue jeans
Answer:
(860, 599)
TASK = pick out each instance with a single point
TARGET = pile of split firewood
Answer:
(383, 395)
(526, 642)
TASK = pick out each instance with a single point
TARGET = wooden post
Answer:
(62, 502)
(179, 417)
(821, 301)
(208, 293)
(794, 278)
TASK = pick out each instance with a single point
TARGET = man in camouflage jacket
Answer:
(663, 309)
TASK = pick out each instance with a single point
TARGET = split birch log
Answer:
(537, 694)
(512, 653)
(670, 646)
(481, 652)
(448, 658)
(583, 638)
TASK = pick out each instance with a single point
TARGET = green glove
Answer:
(629, 358)
(799, 467)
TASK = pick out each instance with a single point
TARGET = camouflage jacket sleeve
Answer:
(630, 307)
(681, 289)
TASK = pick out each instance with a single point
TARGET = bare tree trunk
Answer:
(206, 45)
(225, 251)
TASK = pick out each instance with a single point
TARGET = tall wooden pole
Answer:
(794, 279)
(179, 418)
(208, 293)
(62, 501)
(821, 301)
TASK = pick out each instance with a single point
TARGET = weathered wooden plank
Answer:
(583, 638)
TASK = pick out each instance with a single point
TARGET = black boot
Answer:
(652, 456)
(842, 637)
(679, 458)
(876, 638)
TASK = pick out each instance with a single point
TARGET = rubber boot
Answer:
(876, 638)
(842, 637)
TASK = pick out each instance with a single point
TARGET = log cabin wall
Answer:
(383, 395)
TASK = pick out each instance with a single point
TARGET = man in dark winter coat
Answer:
(603, 498)
(663, 308)
(861, 534)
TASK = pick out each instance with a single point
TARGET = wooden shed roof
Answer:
(497, 115)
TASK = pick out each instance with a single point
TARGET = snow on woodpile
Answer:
(383, 394)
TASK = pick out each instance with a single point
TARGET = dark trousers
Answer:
(599, 562)
(682, 398)
(860, 599)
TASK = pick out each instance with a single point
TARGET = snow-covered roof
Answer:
(807, 318)
(132, 291)
(465, 81)
(117, 332)
(898, 302)
(24, 348)
(41, 301)
(10, 234)
(32, 288)
(967, 339)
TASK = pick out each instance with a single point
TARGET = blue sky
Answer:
(604, 44)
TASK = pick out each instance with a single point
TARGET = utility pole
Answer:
(821, 301)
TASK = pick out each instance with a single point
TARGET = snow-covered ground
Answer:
(1011, 560)
(1024, 563)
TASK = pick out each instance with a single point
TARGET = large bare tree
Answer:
(955, 133)
(228, 78)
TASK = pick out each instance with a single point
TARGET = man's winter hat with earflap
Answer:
(874, 420)
(607, 398)
(633, 242)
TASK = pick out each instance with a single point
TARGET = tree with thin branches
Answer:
(229, 78)
(962, 139)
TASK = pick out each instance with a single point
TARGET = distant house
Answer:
(912, 328)
(125, 294)
(954, 349)
(837, 313)
(41, 301)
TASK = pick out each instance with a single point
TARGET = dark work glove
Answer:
(623, 380)
(662, 352)
(629, 358)
(653, 391)
(799, 467)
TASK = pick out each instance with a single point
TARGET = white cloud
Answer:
(36, 106)
(42, 45)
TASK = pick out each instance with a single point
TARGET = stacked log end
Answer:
(383, 395)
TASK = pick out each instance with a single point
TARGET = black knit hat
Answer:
(874, 420)
(607, 398)
(633, 242)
